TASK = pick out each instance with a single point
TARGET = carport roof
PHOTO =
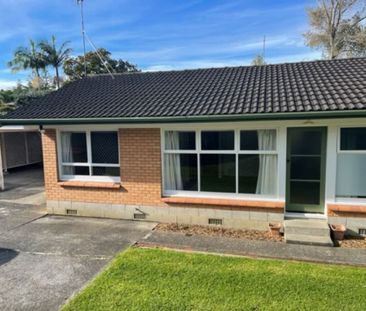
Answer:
(324, 88)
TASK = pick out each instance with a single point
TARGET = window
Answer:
(89, 155)
(351, 163)
(228, 161)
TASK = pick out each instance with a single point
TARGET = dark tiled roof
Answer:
(295, 87)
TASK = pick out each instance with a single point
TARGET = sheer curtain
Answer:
(266, 183)
(66, 149)
(172, 168)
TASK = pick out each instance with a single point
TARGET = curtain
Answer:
(66, 149)
(267, 172)
(172, 168)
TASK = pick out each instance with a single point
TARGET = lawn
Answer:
(151, 279)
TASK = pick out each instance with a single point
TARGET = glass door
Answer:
(306, 149)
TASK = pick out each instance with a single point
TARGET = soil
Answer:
(190, 230)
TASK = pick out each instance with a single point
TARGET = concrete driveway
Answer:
(46, 259)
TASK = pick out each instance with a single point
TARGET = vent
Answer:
(71, 212)
(215, 221)
(362, 231)
(139, 216)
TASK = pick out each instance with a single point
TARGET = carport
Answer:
(20, 148)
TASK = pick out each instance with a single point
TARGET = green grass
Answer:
(150, 279)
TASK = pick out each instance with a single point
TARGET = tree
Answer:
(259, 60)
(25, 58)
(74, 67)
(54, 56)
(335, 27)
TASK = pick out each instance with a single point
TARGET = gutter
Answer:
(191, 119)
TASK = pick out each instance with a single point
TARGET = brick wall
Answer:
(140, 171)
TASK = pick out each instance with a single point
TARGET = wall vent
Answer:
(71, 212)
(215, 221)
(362, 231)
(139, 216)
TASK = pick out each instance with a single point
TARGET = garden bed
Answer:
(353, 242)
(221, 232)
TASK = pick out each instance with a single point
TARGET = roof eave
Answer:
(192, 119)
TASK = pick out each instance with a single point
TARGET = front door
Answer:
(306, 150)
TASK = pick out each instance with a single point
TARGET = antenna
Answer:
(264, 47)
(81, 2)
(104, 61)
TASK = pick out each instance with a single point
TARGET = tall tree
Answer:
(336, 27)
(74, 67)
(25, 58)
(55, 56)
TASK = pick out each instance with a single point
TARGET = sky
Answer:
(161, 34)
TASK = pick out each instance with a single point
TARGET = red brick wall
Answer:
(140, 161)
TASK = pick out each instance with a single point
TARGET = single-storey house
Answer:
(237, 146)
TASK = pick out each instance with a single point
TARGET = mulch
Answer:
(190, 230)
(353, 242)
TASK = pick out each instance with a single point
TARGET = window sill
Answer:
(347, 208)
(89, 184)
(225, 202)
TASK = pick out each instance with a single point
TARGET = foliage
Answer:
(54, 56)
(20, 95)
(25, 58)
(74, 67)
(259, 60)
(151, 279)
(336, 28)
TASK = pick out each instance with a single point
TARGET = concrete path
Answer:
(265, 249)
(45, 261)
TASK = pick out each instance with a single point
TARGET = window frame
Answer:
(340, 151)
(236, 151)
(89, 162)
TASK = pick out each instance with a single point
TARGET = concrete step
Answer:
(308, 232)
(308, 239)
(307, 227)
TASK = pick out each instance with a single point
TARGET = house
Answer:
(240, 146)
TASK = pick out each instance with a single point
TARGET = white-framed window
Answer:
(351, 163)
(89, 155)
(229, 162)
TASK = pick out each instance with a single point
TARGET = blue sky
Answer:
(162, 34)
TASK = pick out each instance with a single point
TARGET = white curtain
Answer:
(267, 174)
(66, 150)
(172, 168)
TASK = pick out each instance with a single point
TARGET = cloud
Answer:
(8, 84)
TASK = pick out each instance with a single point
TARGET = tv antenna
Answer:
(264, 47)
(105, 63)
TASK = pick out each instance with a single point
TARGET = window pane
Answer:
(215, 140)
(180, 172)
(73, 147)
(106, 171)
(258, 140)
(217, 172)
(305, 192)
(351, 172)
(104, 147)
(258, 174)
(353, 138)
(75, 170)
(175, 140)
(308, 167)
(312, 145)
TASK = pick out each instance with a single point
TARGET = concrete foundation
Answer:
(230, 218)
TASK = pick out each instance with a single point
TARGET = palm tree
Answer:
(28, 58)
(55, 56)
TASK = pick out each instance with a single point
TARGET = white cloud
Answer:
(8, 84)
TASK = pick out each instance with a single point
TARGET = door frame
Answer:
(322, 207)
